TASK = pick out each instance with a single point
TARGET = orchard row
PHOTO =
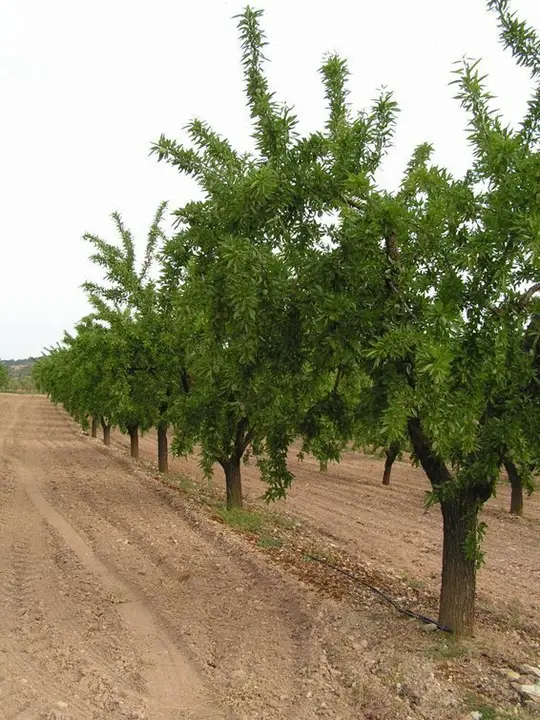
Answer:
(298, 299)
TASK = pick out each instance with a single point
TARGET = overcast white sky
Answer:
(85, 87)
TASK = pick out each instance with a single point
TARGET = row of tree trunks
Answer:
(460, 515)
(231, 466)
(133, 431)
(233, 479)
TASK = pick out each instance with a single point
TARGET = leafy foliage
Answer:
(298, 298)
(114, 366)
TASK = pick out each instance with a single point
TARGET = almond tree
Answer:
(132, 305)
(243, 256)
(236, 305)
(85, 374)
(411, 306)
(452, 267)
(115, 368)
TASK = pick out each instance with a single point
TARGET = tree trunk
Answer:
(163, 448)
(94, 427)
(460, 517)
(134, 440)
(458, 588)
(516, 500)
(106, 432)
(391, 455)
(233, 481)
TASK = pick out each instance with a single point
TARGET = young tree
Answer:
(451, 262)
(87, 376)
(236, 302)
(131, 304)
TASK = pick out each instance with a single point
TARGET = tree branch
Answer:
(240, 440)
(186, 381)
(521, 302)
(525, 298)
(339, 375)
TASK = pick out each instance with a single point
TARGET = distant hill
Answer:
(21, 361)
(22, 366)
(20, 373)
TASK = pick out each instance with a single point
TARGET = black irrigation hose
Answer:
(380, 593)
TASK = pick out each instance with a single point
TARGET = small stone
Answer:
(532, 692)
(309, 695)
(512, 675)
(476, 715)
(429, 627)
(530, 670)
(62, 704)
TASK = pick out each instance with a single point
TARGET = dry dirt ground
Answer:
(390, 528)
(121, 597)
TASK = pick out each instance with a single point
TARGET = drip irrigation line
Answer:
(380, 593)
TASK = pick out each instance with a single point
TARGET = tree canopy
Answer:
(298, 298)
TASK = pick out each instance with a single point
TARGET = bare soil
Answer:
(123, 598)
(388, 526)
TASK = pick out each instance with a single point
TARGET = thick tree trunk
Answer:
(106, 432)
(460, 517)
(516, 500)
(163, 448)
(391, 455)
(233, 481)
(458, 588)
(94, 427)
(134, 440)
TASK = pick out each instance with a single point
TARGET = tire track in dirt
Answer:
(107, 532)
(32, 532)
(182, 575)
(169, 673)
(115, 543)
(22, 580)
